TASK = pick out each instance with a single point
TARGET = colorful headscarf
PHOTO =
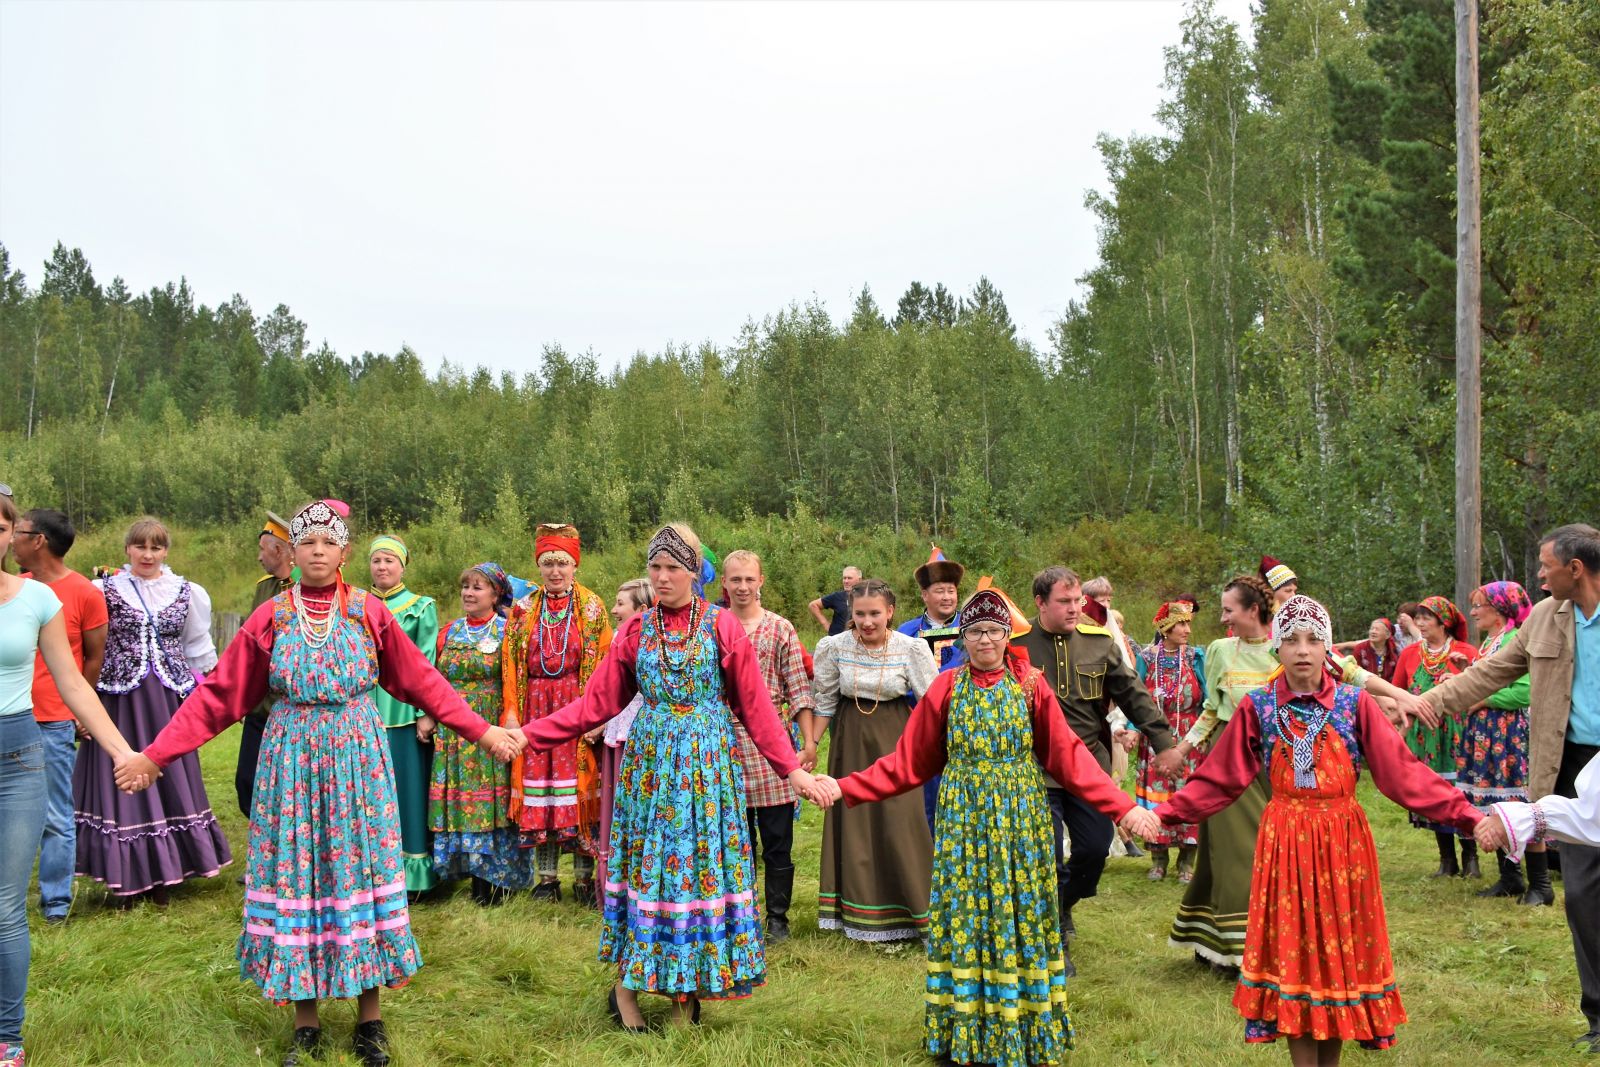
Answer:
(391, 544)
(501, 581)
(1301, 613)
(1509, 599)
(677, 549)
(1171, 614)
(1276, 574)
(556, 537)
(319, 518)
(1447, 613)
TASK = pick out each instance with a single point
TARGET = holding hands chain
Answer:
(135, 772)
(1490, 833)
(1140, 821)
(504, 745)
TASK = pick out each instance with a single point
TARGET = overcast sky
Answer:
(478, 180)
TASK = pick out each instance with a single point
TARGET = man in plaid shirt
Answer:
(771, 802)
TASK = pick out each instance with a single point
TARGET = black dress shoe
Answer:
(305, 1045)
(777, 929)
(694, 1016)
(583, 893)
(616, 1013)
(1589, 1043)
(371, 1044)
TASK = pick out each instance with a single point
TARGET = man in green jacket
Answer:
(1079, 659)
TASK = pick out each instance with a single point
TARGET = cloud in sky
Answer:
(480, 180)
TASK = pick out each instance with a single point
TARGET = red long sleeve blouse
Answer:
(1235, 760)
(920, 753)
(239, 682)
(615, 682)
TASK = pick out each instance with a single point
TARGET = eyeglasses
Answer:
(25, 533)
(987, 635)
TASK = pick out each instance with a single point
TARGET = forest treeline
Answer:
(1262, 357)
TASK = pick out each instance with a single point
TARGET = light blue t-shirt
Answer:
(21, 618)
(1583, 725)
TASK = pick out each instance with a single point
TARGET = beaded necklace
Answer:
(480, 636)
(548, 621)
(314, 617)
(1306, 745)
(1437, 664)
(882, 656)
(677, 652)
(1183, 664)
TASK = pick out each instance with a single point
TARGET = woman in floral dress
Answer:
(1316, 967)
(469, 800)
(679, 915)
(1492, 760)
(325, 891)
(996, 982)
(1443, 651)
(1174, 671)
(555, 636)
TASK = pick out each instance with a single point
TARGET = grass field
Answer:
(1485, 982)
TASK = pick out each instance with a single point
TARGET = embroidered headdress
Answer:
(1276, 574)
(1171, 614)
(319, 518)
(671, 542)
(986, 605)
(556, 537)
(1301, 613)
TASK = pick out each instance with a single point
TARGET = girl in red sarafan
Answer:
(1316, 967)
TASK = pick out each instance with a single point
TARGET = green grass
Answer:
(1485, 982)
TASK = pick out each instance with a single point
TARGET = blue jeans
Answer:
(21, 822)
(58, 848)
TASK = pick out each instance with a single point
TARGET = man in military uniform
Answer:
(277, 559)
(1080, 661)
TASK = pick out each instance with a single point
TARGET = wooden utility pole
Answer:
(1469, 296)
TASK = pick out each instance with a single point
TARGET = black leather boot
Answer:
(1540, 891)
(1447, 856)
(780, 888)
(305, 1045)
(371, 1044)
(1510, 883)
(1469, 859)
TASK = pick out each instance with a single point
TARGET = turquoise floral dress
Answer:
(325, 890)
(679, 907)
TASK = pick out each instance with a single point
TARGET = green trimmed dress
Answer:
(418, 617)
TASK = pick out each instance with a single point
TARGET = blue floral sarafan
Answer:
(680, 910)
(996, 987)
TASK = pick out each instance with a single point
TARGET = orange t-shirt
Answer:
(84, 608)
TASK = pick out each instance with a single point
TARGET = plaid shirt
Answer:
(778, 651)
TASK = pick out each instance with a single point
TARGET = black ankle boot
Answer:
(1469, 859)
(1540, 891)
(305, 1044)
(1510, 883)
(780, 887)
(1447, 856)
(371, 1044)
(480, 892)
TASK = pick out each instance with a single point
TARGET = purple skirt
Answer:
(159, 837)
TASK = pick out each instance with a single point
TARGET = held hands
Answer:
(808, 756)
(1490, 833)
(425, 728)
(504, 745)
(1127, 739)
(820, 789)
(1141, 821)
(135, 772)
(1412, 707)
(1168, 763)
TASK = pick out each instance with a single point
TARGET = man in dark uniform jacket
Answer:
(277, 559)
(1081, 662)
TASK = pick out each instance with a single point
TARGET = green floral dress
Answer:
(996, 988)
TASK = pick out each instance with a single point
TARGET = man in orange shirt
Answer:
(42, 539)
